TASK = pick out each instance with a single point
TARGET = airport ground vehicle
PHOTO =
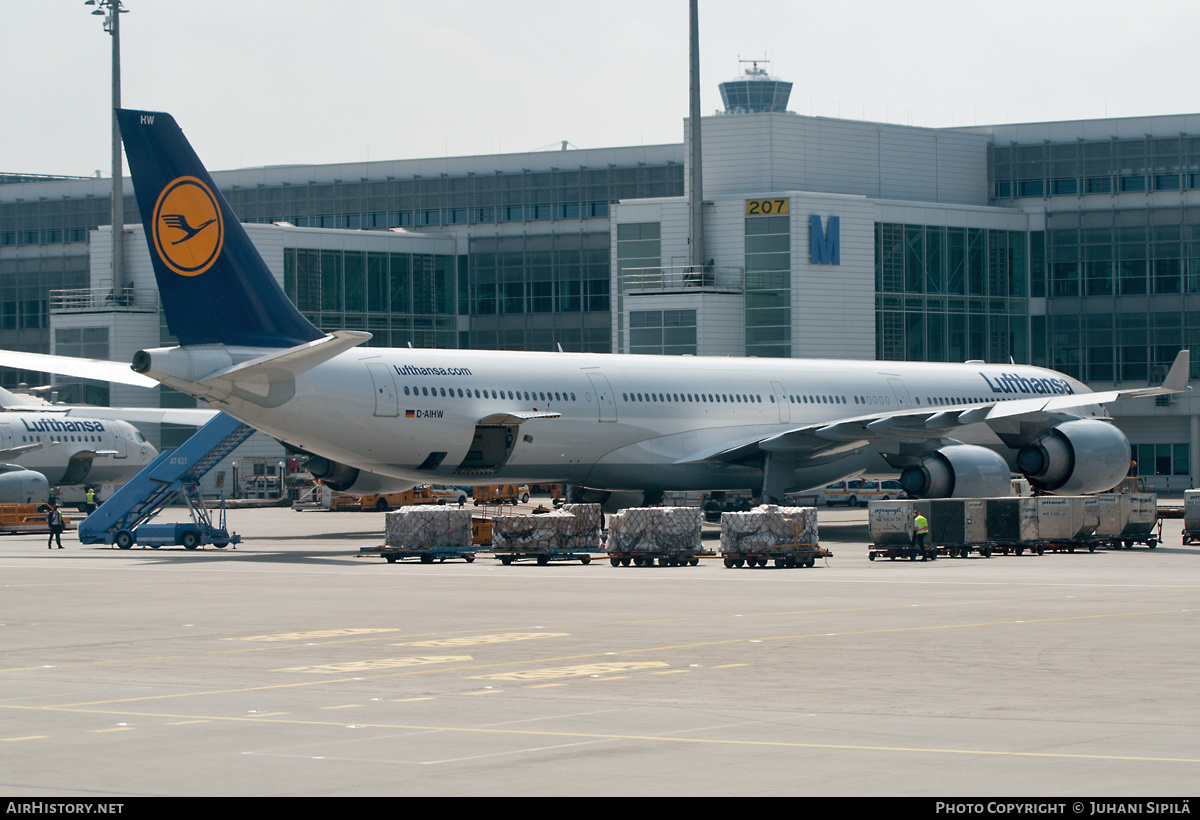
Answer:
(857, 492)
(124, 518)
(382, 502)
(189, 535)
(500, 494)
(16, 518)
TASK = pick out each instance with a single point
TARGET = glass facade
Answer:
(473, 199)
(639, 261)
(948, 294)
(539, 292)
(1124, 291)
(1088, 167)
(398, 297)
(662, 332)
(768, 286)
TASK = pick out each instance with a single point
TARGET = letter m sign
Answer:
(824, 246)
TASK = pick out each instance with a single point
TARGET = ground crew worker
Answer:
(55, 519)
(90, 500)
(921, 525)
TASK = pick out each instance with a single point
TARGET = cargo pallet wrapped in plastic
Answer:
(785, 535)
(428, 533)
(558, 535)
(643, 535)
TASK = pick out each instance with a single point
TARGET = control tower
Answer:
(755, 90)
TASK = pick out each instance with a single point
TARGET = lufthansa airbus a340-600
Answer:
(602, 421)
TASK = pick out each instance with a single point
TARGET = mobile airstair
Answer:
(122, 519)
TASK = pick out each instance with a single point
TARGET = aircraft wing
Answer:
(13, 452)
(98, 369)
(190, 416)
(1017, 422)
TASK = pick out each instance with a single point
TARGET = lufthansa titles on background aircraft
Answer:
(58, 426)
(188, 229)
(1016, 383)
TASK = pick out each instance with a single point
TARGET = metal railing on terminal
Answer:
(77, 300)
(681, 278)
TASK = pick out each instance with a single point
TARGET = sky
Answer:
(263, 82)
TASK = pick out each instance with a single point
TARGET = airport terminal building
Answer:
(1073, 245)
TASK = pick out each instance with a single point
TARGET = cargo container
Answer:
(1126, 519)
(1191, 516)
(1012, 524)
(1067, 522)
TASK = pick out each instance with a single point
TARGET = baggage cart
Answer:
(1012, 526)
(560, 535)
(1191, 516)
(1127, 519)
(426, 533)
(784, 536)
(1067, 523)
(643, 536)
(426, 554)
(893, 534)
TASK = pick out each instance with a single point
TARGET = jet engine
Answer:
(21, 486)
(958, 471)
(1076, 458)
(344, 478)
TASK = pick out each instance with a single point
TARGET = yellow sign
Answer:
(587, 670)
(504, 637)
(766, 207)
(188, 229)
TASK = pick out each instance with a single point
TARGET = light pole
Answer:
(112, 11)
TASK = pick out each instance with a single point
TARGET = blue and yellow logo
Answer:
(188, 229)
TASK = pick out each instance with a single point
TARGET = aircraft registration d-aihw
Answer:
(602, 421)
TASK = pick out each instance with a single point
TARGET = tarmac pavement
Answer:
(292, 666)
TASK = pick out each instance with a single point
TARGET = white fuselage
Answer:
(75, 449)
(624, 422)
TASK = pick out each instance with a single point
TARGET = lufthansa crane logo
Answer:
(188, 229)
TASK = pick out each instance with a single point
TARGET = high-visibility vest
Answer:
(922, 525)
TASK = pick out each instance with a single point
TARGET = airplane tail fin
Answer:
(214, 285)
